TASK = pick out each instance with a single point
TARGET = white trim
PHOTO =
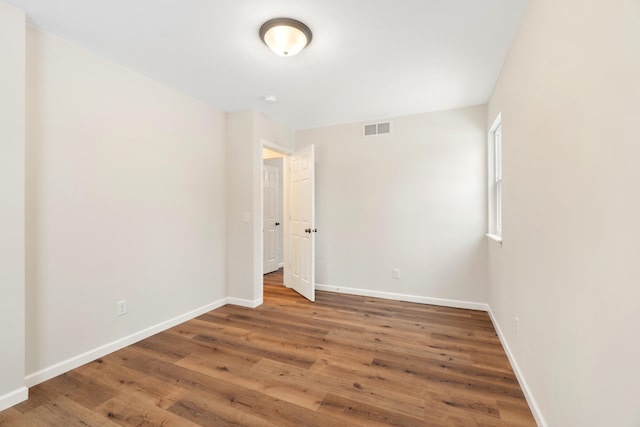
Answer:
(495, 238)
(494, 183)
(533, 405)
(258, 213)
(13, 398)
(404, 297)
(91, 355)
(245, 302)
(275, 147)
(497, 122)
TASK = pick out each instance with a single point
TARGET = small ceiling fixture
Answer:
(285, 36)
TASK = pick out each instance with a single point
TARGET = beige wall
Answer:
(131, 194)
(569, 94)
(239, 165)
(414, 199)
(246, 132)
(12, 240)
(125, 200)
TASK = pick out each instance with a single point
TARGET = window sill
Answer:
(495, 238)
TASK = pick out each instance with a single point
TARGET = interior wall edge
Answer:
(12, 210)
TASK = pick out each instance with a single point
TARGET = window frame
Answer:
(495, 179)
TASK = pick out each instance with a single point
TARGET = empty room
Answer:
(320, 213)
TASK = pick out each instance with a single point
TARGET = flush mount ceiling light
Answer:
(285, 36)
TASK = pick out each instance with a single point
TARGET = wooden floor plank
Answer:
(360, 412)
(344, 360)
(257, 380)
(133, 410)
(344, 386)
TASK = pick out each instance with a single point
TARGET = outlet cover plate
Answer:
(121, 307)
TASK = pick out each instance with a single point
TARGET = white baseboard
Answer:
(81, 359)
(20, 395)
(533, 405)
(245, 302)
(404, 297)
(13, 398)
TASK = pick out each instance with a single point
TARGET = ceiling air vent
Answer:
(377, 129)
(370, 130)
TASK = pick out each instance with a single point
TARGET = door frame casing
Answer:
(286, 201)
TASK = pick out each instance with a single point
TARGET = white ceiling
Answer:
(369, 59)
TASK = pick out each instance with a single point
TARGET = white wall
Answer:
(12, 240)
(414, 199)
(125, 200)
(246, 132)
(569, 94)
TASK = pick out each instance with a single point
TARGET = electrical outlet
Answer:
(396, 273)
(517, 325)
(121, 307)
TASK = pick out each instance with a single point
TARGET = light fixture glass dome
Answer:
(285, 36)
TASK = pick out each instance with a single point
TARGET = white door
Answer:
(302, 223)
(270, 223)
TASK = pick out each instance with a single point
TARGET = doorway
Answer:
(296, 229)
(273, 211)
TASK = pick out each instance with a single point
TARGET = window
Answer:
(495, 180)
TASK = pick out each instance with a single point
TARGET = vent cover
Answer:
(377, 129)
(370, 130)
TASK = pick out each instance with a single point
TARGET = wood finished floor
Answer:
(341, 361)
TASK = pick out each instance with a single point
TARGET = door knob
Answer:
(277, 224)
(307, 230)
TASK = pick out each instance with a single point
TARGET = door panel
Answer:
(270, 185)
(302, 222)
